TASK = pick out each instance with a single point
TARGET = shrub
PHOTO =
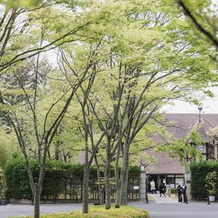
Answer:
(101, 212)
(17, 180)
(174, 191)
(59, 178)
(211, 183)
(199, 172)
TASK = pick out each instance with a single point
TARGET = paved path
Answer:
(163, 199)
(179, 210)
(165, 207)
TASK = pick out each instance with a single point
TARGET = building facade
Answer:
(170, 170)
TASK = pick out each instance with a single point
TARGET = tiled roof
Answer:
(164, 164)
(180, 125)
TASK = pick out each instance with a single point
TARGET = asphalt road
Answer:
(12, 210)
(179, 210)
(156, 210)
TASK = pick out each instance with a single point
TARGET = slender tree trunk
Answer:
(107, 178)
(107, 186)
(118, 195)
(37, 201)
(85, 190)
(99, 180)
(86, 181)
(117, 180)
(124, 176)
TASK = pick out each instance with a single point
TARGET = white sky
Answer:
(209, 106)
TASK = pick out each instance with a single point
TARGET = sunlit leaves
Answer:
(21, 3)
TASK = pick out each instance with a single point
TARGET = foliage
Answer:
(195, 138)
(203, 14)
(184, 148)
(174, 191)
(199, 172)
(56, 172)
(17, 180)
(8, 146)
(100, 212)
(213, 135)
(128, 57)
(3, 187)
(211, 183)
(134, 172)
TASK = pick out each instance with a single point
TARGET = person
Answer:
(184, 194)
(162, 189)
(153, 188)
(180, 193)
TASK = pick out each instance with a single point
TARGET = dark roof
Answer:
(180, 125)
(164, 164)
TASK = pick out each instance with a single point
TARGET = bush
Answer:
(17, 180)
(211, 183)
(174, 191)
(101, 212)
(199, 172)
(59, 178)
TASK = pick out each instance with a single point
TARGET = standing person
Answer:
(162, 189)
(184, 194)
(180, 192)
(153, 188)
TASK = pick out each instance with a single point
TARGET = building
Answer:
(170, 170)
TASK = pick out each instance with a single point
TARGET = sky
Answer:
(208, 106)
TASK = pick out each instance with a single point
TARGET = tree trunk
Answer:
(124, 188)
(124, 176)
(117, 180)
(37, 201)
(107, 180)
(100, 191)
(86, 181)
(118, 195)
(85, 190)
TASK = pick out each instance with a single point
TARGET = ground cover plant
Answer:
(101, 212)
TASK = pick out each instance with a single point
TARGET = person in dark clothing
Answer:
(162, 189)
(180, 193)
(184, 194)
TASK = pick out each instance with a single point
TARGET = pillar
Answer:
(188, 185)
(142, 189)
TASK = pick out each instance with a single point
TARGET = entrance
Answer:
(158, 179)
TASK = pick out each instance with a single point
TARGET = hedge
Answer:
(199, 172)
(17, 181)
(56, 176)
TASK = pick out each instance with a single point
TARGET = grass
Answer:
(101, 212)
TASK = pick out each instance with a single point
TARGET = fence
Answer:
(73, 191)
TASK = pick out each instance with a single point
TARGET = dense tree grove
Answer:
(91, 77)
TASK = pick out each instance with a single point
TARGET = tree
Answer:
(184, 148)
(127, 60)
(72, 65)
(141, 72)
(8, 146)
(26, 30)
(143, 76)
(212, 134)
(29, 99)
(203, 14)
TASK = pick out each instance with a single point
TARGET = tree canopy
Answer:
(97, 72)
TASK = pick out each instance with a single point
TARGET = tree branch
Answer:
(197, 24)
